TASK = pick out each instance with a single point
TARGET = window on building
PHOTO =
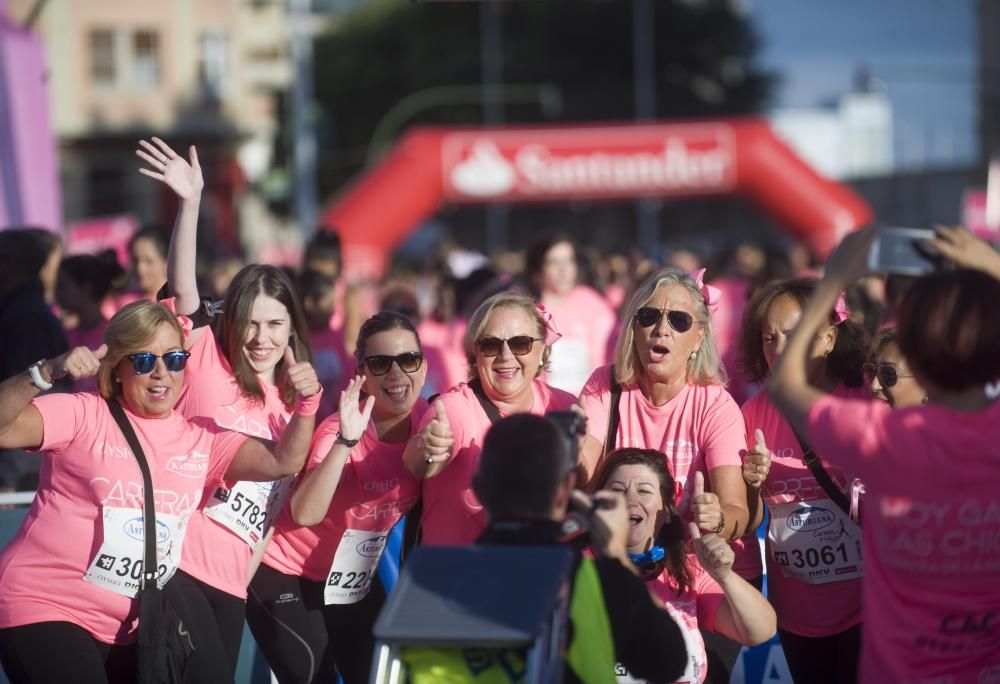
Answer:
(212, 66)
(102, 57)
(145, 59)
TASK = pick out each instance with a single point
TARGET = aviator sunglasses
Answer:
(886, 373)
(145, 362)
(519, 345)
(408, 362)
(647, 317)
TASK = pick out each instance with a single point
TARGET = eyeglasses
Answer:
(519, 345)
(886, 373)
(380, 364)
(648, 316)
(145, 362)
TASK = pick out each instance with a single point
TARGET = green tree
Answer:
(388, 49)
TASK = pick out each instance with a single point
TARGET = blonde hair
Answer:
(706, 367)
(481, 318)
(133, 326)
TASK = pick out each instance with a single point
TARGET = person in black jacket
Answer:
(527, 483)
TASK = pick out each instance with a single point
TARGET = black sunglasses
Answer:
(648, 316)
(519, 345)
(145, 362)
(886, 373)
(380, 364)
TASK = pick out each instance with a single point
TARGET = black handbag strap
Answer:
(149, 560)
(492, 412)
(614, 414)
(815, 465)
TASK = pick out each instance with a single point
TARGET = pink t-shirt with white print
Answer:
(453, 515)
(213, 553)
(811, 610)
(374, 492)
(88, 467)
(931, 601)
(586, 321)
(692, 610)
(699, 429)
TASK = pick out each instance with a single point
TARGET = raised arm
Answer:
(312, 498)
(756, 467)
(429, 451)
(745, 615)
(186, 181)
(789, 386)
(964, 249)
(262, 460)
(20, 422)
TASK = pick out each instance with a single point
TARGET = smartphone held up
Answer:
(905, 251)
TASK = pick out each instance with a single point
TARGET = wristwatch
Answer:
(36, 376)
(349, 443)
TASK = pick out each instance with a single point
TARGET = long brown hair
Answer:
(671, 535)
(251, 282)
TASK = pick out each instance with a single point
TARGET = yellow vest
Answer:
(591, 654)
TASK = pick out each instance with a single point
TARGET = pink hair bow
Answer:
(840, 312)
(551, 333)
(711, 294)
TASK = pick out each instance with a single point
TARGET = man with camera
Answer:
(527, 483)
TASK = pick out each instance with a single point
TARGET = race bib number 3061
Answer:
(117, 566)
(815, 542)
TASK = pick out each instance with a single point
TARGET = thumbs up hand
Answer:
(705, 507)
(714, 554)
(437, 439)
(301, 375)
(757, 462)
(78, 363)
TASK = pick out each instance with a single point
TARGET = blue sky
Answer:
(924, 51)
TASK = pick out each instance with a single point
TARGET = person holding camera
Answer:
(932, 525)
(814, 575)
(699, 590)
(507, 344)
(666, 391)
(526, 481)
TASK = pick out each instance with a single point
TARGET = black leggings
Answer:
(306, 641)
(722, 652)
(823, 660)
(46, 652)
(214, 618)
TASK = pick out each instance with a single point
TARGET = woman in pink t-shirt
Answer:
(673, 399)
(314, 601)
(68, 579)
(700, 592)
(244, 370)
(507, 344)
(581, 314)
(932, 513)
(813, 544)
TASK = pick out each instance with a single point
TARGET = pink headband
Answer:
(711, 294)
(551, 333)
(840, 312)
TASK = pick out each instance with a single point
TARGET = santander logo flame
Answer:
(480, 166)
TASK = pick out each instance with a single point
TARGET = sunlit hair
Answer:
(949, 329)
(705, 368)
(383, 321)
(880, 342)
(671, 535)
(481, 318)
(129, 331)
(843, 364)
(251, 282)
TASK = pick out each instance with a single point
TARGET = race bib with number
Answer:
(117, 566)
(354, 566)
(815, 542)
(249, 508)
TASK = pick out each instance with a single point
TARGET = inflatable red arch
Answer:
(431, 166)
